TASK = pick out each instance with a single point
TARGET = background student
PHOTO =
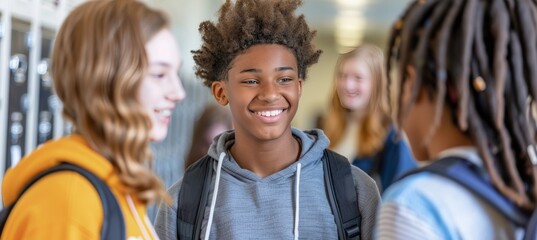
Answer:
(114, 67)
(270, 180)
(213, 120)
(358, 122)
(466, 77)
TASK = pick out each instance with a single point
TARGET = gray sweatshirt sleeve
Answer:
(166, 220)
(368, 201)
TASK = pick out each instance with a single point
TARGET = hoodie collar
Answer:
(313, 143)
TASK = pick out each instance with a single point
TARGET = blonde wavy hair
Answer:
(98, 63)
(373, 128)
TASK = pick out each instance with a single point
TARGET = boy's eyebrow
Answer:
(251, 70)
(255, 70)
(279, 69)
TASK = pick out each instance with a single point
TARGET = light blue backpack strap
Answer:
(531, 228)
(468, 175)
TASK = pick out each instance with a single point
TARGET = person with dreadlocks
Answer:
(464, 92)
(270, 179)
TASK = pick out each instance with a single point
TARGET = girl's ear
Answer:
(218, 88)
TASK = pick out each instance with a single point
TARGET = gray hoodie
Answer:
(247, 206)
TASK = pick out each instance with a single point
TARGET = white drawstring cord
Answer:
(215, 194)
(137, 217)
(151, 228)
(297, 198)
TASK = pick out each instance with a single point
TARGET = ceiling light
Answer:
(351, 3)
(349, 29)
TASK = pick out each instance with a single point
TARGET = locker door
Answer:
(4, 96)
(18, 91)
(47, 103)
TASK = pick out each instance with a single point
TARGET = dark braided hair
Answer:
(247, 23)
(485, 73)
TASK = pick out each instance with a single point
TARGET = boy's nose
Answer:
(269, 92)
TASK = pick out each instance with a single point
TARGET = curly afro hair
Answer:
(251, 22)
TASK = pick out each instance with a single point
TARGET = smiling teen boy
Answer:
(270, 180)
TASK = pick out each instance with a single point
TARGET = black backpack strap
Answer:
(342, 195)
(378, 168)
(193, 197)
(113, 223)
(469, 176)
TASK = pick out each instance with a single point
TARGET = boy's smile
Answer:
(269, 116)
(263, 90)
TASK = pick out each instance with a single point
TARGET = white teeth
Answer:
(269, 113)
(164, 112)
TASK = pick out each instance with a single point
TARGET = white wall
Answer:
(316, 88)
(185, 16)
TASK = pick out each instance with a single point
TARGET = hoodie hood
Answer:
(313, 143)
(71, 149)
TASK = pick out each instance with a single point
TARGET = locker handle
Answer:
(18, 63)
(43, 71)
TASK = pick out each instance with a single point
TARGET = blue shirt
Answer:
(395, 158)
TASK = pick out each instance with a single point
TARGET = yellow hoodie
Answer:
(65, 205)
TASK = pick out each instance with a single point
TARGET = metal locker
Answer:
(18, 102)
(48, 102)
(4, 95)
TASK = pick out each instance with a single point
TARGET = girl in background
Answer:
(214, 120)
(358, 122)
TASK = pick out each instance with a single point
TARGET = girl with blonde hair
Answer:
(115, 69)
(358, 121)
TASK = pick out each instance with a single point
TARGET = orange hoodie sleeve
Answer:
(60, 206)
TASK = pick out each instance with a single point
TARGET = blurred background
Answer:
(30, 113)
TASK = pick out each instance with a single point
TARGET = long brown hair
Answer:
(98, 63)
(478, 58)
(211, 116)
(374, 126)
